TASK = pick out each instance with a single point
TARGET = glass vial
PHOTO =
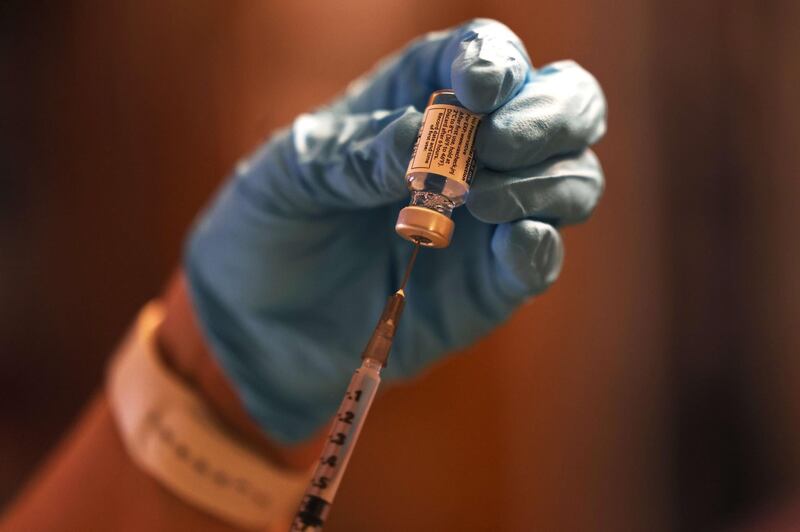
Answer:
(441, 169)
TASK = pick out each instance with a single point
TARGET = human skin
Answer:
(92, 465)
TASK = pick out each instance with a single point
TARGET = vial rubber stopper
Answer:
(427, 227)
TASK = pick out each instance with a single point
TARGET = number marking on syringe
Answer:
(347, 425)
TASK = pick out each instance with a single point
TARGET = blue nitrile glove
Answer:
(291, 265)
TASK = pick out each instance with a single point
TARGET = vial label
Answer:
(446, 143)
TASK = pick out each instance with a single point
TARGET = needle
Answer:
(409, 267)
(380, 343)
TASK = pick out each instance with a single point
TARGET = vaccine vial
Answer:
(440, 172)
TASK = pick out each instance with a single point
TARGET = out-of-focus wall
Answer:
(119, 119)
(765, 49)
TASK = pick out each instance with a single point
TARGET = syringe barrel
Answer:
(339, 446)
(349, 419)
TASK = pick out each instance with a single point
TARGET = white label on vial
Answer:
(446, 142)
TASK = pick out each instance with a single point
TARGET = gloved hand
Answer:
(290, 266)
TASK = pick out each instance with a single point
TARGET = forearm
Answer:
(185, 350)
(90, 481)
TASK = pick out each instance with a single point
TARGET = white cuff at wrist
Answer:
(171, 434)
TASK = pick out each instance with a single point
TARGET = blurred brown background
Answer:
(655, 387)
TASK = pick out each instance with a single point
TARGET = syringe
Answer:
(351, 415)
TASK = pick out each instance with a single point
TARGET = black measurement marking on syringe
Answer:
(321, 482)
(331, 460)
(312, 513)
(347, 417)
(357, 394)
(338, 439)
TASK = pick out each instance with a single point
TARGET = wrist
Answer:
(171, 433)
(184, 350)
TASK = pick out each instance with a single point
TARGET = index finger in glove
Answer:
(483, 60)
